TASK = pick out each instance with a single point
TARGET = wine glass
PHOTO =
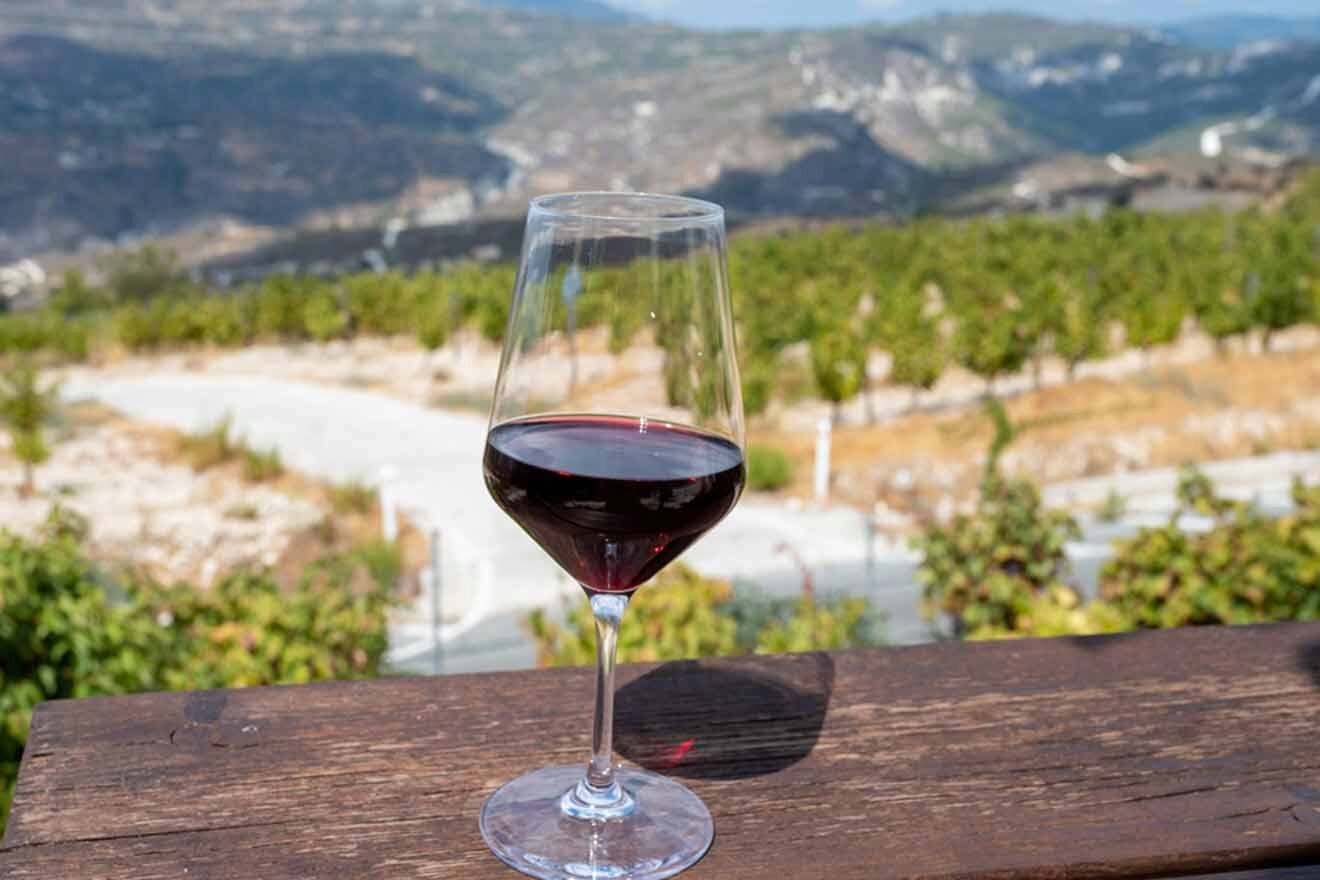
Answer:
(615, 442)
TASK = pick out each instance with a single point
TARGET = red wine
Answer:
(612, 499)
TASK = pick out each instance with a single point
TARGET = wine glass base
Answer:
(668, 830)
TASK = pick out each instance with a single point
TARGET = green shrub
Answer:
(382, 560)
(322, 317)
(804, 623)
(808, 624)
(74, 341)
(760, 375)
(180, 321)
(768, 468)
(474, 401)
(985, 569)
(677, 615)
(75, 296)
(141, 275)
(47, 331)
(210, 447)
(221, 321)
(25, 407)
(278, 307)
(353, 496)
(247, 631)
(259, 466)
(24, 333)
(63, 634)
(1113, 508)
(133, 328)
(61, 637)
(432, 327)
(492, 316)
(682, 614)
(1058, 611)
(1248, 568)
(379, 304)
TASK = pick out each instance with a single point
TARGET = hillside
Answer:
(590, 10)
(99, 144)
(1231, 31)
(131, 117)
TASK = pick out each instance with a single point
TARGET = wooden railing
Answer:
(1189, 752)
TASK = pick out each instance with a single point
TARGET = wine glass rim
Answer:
(696, 210)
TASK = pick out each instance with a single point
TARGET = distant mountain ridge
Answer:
(590, 10)
(126, 117)
(1232, 31)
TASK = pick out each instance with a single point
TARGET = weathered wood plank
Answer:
(1143, 755)
(1300, 872)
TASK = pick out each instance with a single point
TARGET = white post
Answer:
(389, 514)
(823, 428)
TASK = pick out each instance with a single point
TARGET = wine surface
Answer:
(612, 499)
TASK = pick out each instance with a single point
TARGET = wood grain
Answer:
(1297, 872)
(1143, 755)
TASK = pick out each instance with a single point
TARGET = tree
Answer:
(25, 406)
(1278, 295)
(758, 372)
(912, 338)
(136, 276)
(1218, 289)
(990, 341)
(838, 363)
(279, 304)
(323, 317)
(75, 296)
(1077, 330)
(1213, 277)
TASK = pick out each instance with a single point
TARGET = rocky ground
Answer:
(1126, 415)
(151, 510)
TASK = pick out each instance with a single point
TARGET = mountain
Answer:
(584, 9)
(130, 117)
(98, 144)
(1098, 98)
(1232, 31)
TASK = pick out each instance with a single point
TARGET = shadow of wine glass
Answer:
(711, 719)
(1308, 660)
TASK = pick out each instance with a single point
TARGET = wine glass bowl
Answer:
(612, 499)
(621, 305)
(615, 442)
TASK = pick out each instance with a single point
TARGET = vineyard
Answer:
(994, 296)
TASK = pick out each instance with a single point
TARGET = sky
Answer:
(823, 13)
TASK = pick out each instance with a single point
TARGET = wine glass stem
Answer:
(608, 609)
(597, 797)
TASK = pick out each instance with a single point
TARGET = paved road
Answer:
(493, 572)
